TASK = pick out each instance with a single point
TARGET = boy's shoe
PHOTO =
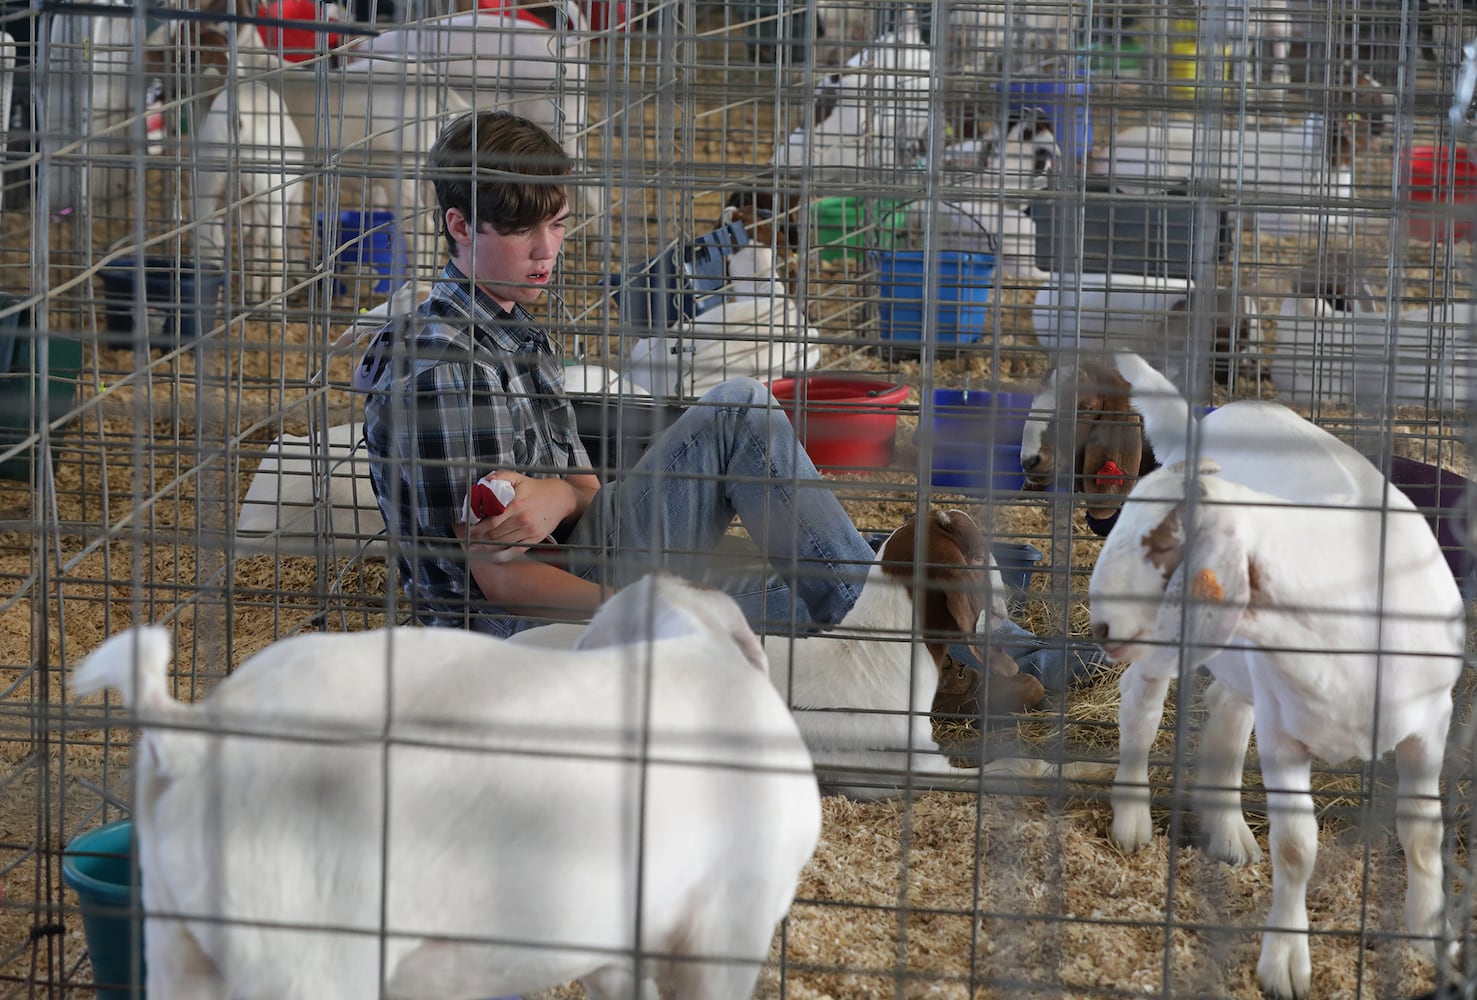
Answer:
(958, 694)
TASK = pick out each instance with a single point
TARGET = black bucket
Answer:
(181, 303)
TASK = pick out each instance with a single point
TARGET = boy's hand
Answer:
(538, 507)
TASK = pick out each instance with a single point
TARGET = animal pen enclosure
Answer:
(205, 220)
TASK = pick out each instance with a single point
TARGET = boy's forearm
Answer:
(584, 488)
(527, 587)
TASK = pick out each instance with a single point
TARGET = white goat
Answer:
(874, 116)
(251, 191)
(1126, 421)
(751, 326)
(1360, 632)
(378, 117)
(500, 58)
(433, 812)
(862, 691)
(89, 105)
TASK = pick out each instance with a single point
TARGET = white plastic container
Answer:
(1326, 353)
(1276, 173)
(1101, 312)
(282, 512)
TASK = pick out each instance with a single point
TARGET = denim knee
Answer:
(743, 391)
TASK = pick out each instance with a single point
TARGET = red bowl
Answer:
(844, 421)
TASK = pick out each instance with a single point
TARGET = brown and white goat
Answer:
(1084, 425)
(1348, 637)
(1120, 420)
(862, 691)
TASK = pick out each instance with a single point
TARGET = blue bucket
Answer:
(978, 468)
(98, 866)
(364, 242)
(976, 439)
(978, 416)
(960, 306)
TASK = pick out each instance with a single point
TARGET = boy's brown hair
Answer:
(492, 165)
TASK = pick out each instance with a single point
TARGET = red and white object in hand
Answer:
(489, 498)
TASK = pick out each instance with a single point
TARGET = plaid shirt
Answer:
(467, 389)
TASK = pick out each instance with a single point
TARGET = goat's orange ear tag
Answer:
(1205, 587)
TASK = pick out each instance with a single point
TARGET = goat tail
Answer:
(1159, 401)
(134, 663)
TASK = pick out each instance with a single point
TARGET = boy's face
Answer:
(512, 267)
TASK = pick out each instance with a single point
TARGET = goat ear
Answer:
(966, 535)
(966, 597)
(1209, 591)
(213, 48)
(659, 606)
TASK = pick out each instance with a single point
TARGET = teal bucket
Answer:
(98, 866)
(960, 307)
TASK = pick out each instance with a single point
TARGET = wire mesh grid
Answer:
(210, 210)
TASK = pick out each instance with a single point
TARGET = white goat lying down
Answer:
(862, 692)
(467, 817)
(1359, 625)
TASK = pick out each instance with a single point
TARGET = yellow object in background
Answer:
(1183, 61)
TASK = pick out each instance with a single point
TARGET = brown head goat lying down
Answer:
(863, 690)
(434, 814)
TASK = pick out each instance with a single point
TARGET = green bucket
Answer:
(845, 228)
(21, 385)
(1123, 59)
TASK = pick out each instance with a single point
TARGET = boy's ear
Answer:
(459, 227)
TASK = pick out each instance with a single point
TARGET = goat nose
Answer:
(1029, 462)
(1100, 631)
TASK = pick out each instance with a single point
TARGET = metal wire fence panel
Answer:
(1159, 297)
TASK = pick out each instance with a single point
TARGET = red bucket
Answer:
(1440, 183)
(844, 421)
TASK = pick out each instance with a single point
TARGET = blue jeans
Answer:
(733, 452)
